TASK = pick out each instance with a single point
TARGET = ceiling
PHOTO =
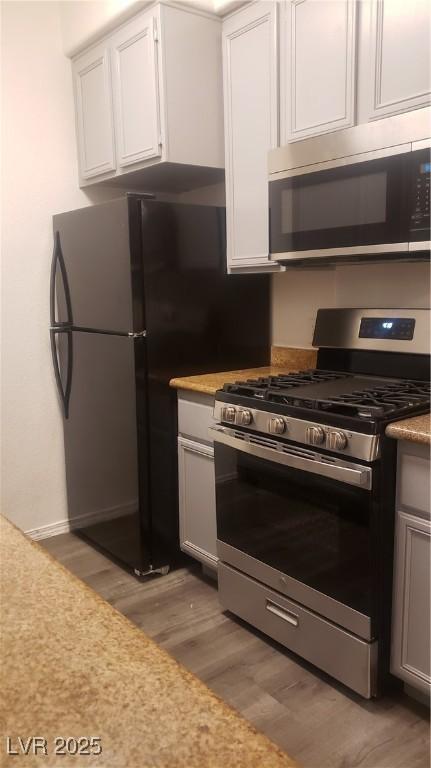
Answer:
(82, 21)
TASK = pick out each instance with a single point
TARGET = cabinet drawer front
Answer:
(195, 416)
(340, 654)
(414, 478)
(95, 129)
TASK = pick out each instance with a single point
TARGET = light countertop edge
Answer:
(415, 430)
(209, 383)
(283, 360)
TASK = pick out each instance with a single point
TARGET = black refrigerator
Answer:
(139, 294)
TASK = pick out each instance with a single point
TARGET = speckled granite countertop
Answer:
(283, 360)
(416, 430)
(74, 666)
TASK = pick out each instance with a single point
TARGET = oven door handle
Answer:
(352, 474)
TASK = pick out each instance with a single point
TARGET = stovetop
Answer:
(342, 407)
(361, 398)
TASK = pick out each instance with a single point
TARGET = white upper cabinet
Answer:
(136, 94)
(394, 73)
(317, 67)
(156, 85)
(330, 65)
(251, 129)
(94, 123)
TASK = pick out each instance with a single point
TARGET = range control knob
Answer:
(315, 435)
(336, 440)
(244, 418)
(228, 413)
(277, 425)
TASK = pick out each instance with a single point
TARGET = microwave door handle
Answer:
(352, 475)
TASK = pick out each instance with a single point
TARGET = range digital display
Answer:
(401, 328)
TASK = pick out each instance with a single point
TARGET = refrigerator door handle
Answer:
(64, 394)
(58, 260)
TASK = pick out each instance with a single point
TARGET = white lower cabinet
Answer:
(198, 530)
(411, 647)
(410, 655)
(196, 478)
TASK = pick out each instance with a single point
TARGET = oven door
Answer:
(341, 211)
(297, 521)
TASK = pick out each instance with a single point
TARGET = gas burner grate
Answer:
(265, 386)
(386, 399)
(382, 400)
(393, 398)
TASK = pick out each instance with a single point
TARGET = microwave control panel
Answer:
(420, 208)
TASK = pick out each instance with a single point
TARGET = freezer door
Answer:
(183, 263)
(93, 278)
(198, 318)
(106, 442)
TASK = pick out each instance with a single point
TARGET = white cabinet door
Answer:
(317, 67)
(251, 129)
(411, 617)
(395, 71)
(136, 90)
(413, 479)
(94, 119)
(197, 505)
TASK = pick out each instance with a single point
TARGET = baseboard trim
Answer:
(46, 531)
(90, 518)
(417, 694)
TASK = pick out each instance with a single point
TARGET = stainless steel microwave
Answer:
(359, 194)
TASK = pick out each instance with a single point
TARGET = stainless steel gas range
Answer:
(305, 491)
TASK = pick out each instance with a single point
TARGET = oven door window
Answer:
(308, 527)
(349, 206)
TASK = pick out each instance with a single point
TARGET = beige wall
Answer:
(297, 295)
(39, 178)
(82, 19)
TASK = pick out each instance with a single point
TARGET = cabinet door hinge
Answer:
(155, 33)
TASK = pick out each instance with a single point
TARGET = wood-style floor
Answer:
(318, 722)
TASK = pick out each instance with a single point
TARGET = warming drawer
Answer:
(337, 652)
